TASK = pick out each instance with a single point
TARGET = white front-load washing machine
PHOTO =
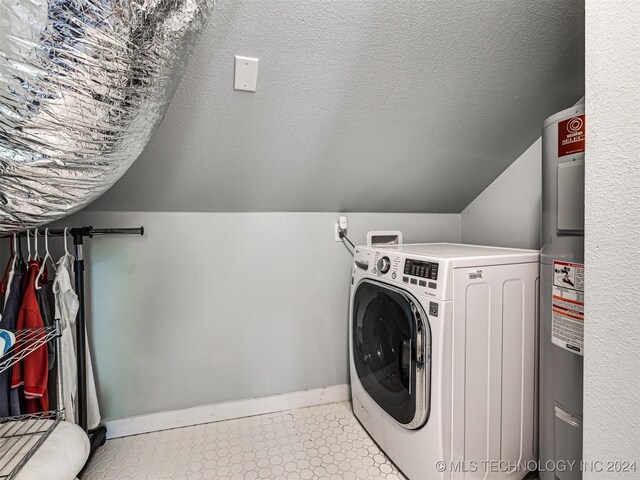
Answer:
(442, 353)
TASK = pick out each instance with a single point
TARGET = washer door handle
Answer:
(419, 337)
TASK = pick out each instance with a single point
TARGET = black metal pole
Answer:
(84, 231)
(81, 354)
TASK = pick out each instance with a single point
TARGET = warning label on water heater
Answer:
(567, 324)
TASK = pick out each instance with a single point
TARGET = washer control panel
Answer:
(386, 264)
(419, 268)
(422, 276)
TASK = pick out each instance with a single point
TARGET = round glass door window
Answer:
(385, 341)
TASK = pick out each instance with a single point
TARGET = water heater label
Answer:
(567, 324)
(571, 135)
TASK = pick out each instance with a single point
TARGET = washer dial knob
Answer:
(384, 264)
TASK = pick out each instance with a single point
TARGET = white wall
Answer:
(612, 227)
(209, 307)
(507, 212)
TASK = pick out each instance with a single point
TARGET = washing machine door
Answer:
(391, 349)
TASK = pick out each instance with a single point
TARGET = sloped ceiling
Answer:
(362, 105)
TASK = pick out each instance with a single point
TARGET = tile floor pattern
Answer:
(324, 442)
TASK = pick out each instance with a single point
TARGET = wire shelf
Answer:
(28, 340)
(21, 436)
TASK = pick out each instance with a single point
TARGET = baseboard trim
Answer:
(216, 412)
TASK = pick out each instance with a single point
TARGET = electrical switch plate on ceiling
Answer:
(246, 74)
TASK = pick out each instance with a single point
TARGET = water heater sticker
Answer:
(567, 330)
(571, 135)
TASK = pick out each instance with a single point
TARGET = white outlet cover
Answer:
(246, 74)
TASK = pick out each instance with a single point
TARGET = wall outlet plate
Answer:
(246, 74)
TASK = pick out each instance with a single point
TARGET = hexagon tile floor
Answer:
(324, 442)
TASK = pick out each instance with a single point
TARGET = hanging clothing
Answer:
(47, 306)
(66, 310)
(32, 372)
(10, 397)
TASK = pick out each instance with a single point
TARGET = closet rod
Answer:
(83, 231)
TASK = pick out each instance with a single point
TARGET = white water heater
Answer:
(562, 293)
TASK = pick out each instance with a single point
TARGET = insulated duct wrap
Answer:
(83, 86)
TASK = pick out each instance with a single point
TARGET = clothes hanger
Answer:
(36, 255)
(14, 265)
(14, 253)
(46, 245)
(47, 255)
(66, 250)
(19, 253)
(67, 255)
(28, 247)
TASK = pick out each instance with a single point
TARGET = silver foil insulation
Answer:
(83, 86)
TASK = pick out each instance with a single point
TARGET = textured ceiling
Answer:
(362, 105)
